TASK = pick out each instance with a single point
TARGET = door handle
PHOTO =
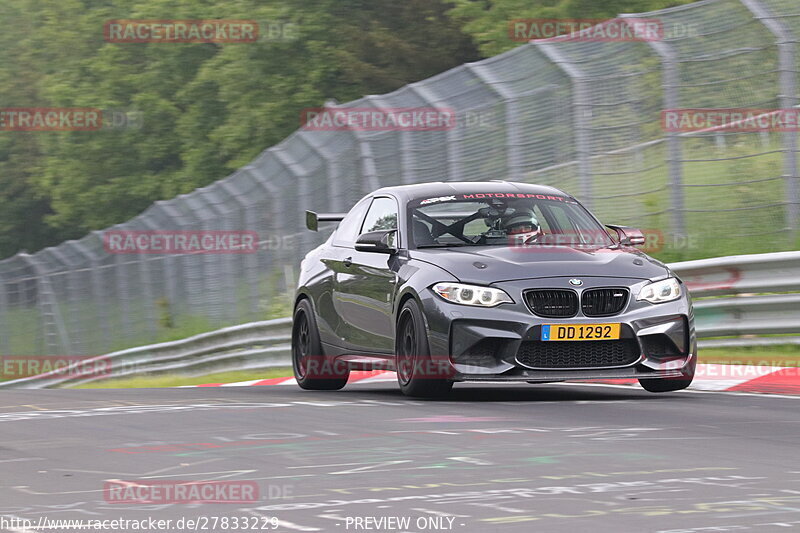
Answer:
(348, 261)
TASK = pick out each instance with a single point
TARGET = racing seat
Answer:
(422, 235)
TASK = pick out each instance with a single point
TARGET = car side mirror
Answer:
(628, 236)
(382, 241)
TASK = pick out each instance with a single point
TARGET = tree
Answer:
(207, 109)
(487, 21)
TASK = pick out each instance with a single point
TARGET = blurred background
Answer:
(213, 142)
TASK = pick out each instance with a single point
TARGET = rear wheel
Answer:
(670, 384)
(311, 369)
(417, 373)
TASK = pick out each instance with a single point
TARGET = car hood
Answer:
(489, 264)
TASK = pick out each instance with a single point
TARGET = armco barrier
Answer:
(248, 346)
(738, 306)
(740, 302)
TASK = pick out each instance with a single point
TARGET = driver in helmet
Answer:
(522, 226)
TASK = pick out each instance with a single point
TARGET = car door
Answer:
(366, 285)
(329, 312)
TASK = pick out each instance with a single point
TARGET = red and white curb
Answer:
(709, 377)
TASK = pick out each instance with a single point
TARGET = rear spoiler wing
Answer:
(313, 219)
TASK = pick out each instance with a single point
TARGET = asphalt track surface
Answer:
(490, 458)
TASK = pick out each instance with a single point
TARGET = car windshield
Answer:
(503, 219)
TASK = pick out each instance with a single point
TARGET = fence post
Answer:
(225, 261)
(123, 294)
(194, 272)
(583, 117)
(214, 300)
(512, 119)
(55, 334)
(368, 168)
(5, 329)
(275, 211)
(671, 85)
(98, 296)
(785, 40)
(336, 194)
(273, 194)
(303, 187)
(405, 173)
(369, 173)
(249, 261)
(149, 302)
(175, 279)
(69, 287)
(453, 153)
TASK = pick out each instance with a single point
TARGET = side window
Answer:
(382, 215)
(349, 227)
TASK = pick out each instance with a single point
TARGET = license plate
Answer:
(580, 332)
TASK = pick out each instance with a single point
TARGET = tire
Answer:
(670, 384)
(311, 368)
(412, 356)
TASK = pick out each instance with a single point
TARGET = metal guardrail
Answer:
(249, 346)
(733, 297)
(741, 274)
(729, 294)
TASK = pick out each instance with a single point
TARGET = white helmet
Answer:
(522, 226)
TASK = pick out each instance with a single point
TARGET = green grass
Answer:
(788, 355)
(716, 215)
(177, 380)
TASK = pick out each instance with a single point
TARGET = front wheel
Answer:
(417, 372)
(670, 384)
(311, 369)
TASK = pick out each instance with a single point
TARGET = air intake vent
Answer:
(580, 354)
(552, 303)
(603, 302)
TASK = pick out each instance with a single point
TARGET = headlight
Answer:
(662, 291)
(459, 293)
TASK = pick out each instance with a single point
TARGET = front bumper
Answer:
(503, 343)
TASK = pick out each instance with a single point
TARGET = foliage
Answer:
(207, 109)
(488, 20)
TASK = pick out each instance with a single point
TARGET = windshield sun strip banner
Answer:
(490, 195)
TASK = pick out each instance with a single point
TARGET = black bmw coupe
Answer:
(486, 281)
